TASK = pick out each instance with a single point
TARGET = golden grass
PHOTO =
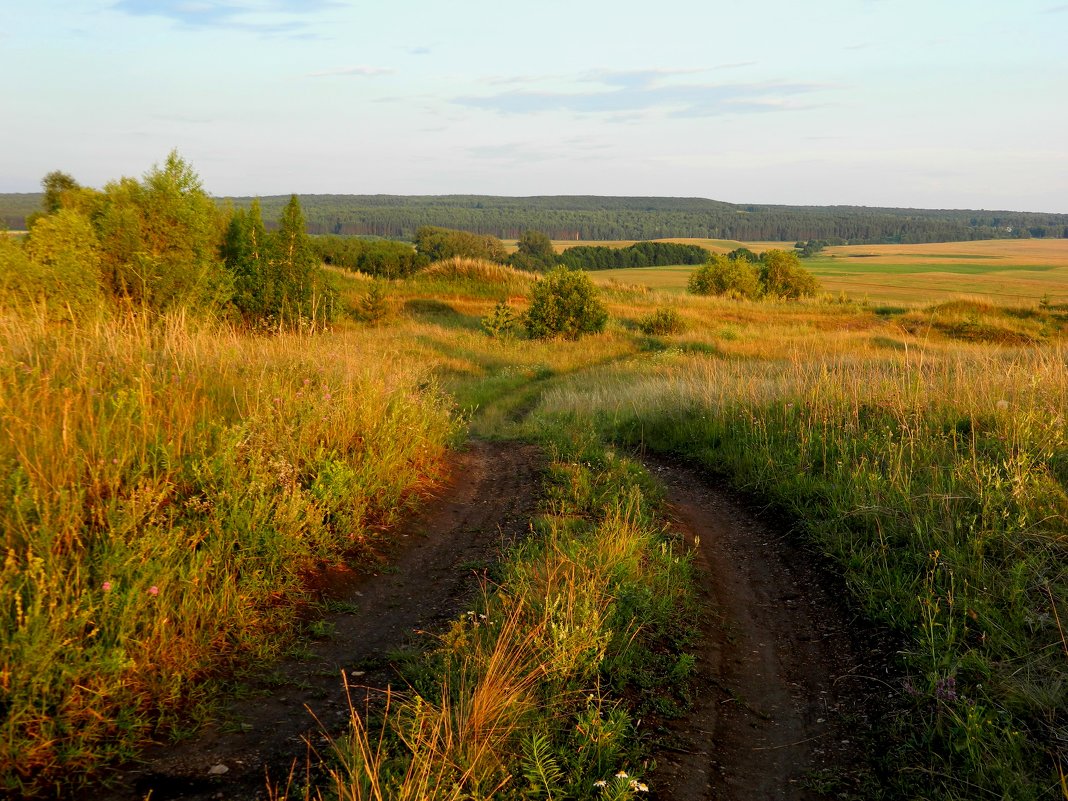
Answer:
(459, 268)
(988, 252)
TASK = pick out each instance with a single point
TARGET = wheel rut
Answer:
(434, 571)
(782, 688)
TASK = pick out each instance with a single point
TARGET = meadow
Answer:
(170, 483)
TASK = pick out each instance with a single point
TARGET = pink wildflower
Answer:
(153, 590)
(107, 586)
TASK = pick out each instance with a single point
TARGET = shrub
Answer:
(661, 321)
(564, 303)
(782, 275)
(723, 276)
(373, 307)
(500, 321)
(59, 266)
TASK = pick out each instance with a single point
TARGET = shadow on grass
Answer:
(440, 313)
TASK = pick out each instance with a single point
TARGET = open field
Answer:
(922, 452)
(1007, 272)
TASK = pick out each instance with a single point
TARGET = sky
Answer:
(916, 103)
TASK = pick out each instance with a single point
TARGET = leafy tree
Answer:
(244, 251)
(535, 252)
(744, 254)
(55, 185)
(721, 275)
(159, 240)
(58, 267)
(782, 275)
(277, 277)
(564, 303)
(380, 258)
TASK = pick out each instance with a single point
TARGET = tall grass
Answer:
(522, 698)
(937, 480)
(163, 489)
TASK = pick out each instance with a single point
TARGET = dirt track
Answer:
(432, 574)
(782, 688)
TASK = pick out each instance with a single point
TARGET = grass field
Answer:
(1006, 272)
(197, 472)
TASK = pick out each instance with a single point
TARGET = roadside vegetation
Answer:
(196, 415)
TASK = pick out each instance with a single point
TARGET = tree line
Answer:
(588, 217)
(640, 254)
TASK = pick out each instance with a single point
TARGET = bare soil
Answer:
(433, 573)
(784, 690)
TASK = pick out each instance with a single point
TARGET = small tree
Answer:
(782, 275)
(725, 276)
(564, 303)
(500, 321)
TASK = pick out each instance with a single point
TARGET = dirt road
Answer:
(782, 686)
(433, 573)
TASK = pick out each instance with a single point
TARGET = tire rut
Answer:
(435, 570)
(783, 692)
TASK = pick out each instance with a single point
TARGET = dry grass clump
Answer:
(459, 268)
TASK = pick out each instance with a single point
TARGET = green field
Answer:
(1006, 273)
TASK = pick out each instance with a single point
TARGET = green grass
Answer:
(935, 478)
(164, 487)
(924, 449)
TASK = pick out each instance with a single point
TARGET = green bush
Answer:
(724, 276)
(500, 321)
(57, 268)
(782, 275)
(373, 307)
(564, 303)
(661, 321)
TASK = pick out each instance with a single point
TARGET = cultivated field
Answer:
(1001, 271)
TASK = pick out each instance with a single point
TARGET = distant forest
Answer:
(590, 217)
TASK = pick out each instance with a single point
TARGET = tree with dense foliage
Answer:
(722, 275)
(744, 254)
(55, 185)
(782, 275)
(381, 258)
(564, 303)
(444, 243)
(534, 253)
(277, 276)
(159, 240)
(640, 254)
(244, 251)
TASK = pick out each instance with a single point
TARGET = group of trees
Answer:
(775, 273)
(610, 218)
(382, 258)
(445, 243)
(640, 254)
(162, 243)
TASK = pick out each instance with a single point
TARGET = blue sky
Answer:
(927, 103)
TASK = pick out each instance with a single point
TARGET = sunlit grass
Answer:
(165, 487)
